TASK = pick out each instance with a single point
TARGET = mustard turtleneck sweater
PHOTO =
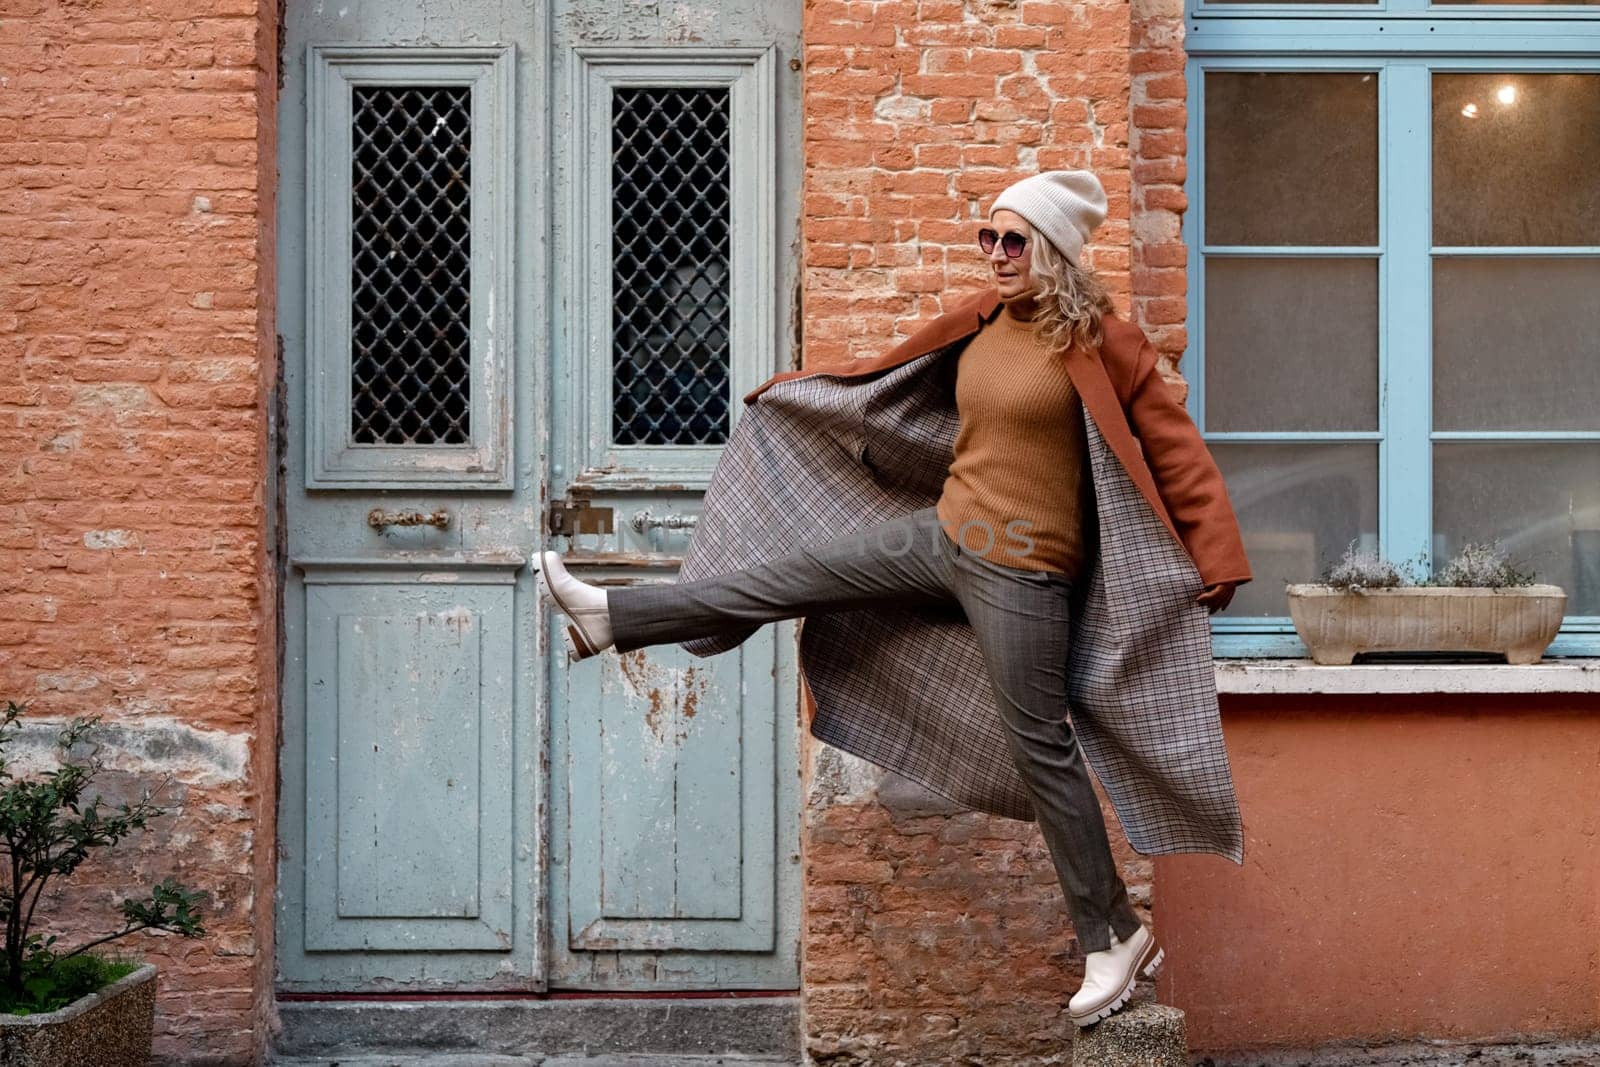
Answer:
(1019, 490)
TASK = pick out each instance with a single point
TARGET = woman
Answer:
(1009, 541)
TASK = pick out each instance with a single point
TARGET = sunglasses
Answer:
(1012, 242)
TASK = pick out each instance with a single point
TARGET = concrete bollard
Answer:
(1141, 1035)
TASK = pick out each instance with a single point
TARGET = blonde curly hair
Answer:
(1071, 299)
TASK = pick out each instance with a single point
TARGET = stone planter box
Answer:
(1335, 624)
(112, 1027)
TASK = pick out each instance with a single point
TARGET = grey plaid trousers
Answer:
(1022, 619)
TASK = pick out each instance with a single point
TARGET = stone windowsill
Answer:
(1562, 675)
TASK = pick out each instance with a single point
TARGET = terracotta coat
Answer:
(1174, 470)
(819, 452)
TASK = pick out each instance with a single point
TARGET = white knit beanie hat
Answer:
(1064, 205)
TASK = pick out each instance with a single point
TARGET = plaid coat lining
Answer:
(821, 455)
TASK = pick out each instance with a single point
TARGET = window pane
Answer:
(1291, 344)
(411, 265)
(1541, 499)
(1298, 507)
(671, 245)
(1511, 159)
(1291, 159)
(1516, 343)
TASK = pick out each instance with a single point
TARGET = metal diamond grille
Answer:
(411, 366)
(670, 181)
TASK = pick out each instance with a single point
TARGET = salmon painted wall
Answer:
(1414, 867)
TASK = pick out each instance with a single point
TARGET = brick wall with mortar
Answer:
(933, 935)
(135, 367)
(136, 345)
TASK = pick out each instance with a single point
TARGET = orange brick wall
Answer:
(935, 936)
(930, 936)
(135, 361)
(1160, 151)
(138, 364)
(917, 114)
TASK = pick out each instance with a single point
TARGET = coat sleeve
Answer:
(1186, 475)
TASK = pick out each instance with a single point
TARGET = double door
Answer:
(529, 258)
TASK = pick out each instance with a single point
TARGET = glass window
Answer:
(1291, 343)
(1513, 159)
(1395, 256)
(671, 234)
(410, 265)
(1291, 158)
(1298, 505)
(1556, 2)
(1516, 343)
(1541, 498)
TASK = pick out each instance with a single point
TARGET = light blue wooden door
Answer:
(674, 781)
(463, 358)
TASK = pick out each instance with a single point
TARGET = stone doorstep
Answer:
(480, 1034)
(1558, 1054)
(477, 1060)
(698, 1031)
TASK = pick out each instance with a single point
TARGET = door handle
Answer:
(378, 518)
(643, 520)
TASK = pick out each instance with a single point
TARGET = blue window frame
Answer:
(1394, 298)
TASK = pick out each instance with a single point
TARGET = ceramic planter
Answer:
(111, 1027)
(1518, 621)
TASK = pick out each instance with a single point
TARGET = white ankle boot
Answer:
(1109, 976)
(583, 604)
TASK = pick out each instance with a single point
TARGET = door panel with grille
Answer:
(411, 853)
(409, 223)
(674, 800)
(411, 265)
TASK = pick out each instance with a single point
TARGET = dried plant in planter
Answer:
(1361, 568)
(1481, 565)
(1477, 601)
(48, 831)
(1477, 565)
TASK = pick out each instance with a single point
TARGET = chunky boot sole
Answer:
(1147, 963)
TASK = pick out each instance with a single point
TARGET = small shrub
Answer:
(51, 986)
(48, 829)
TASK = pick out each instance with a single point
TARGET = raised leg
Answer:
(894, 561)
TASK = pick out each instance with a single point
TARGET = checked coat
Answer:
(815, 454)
